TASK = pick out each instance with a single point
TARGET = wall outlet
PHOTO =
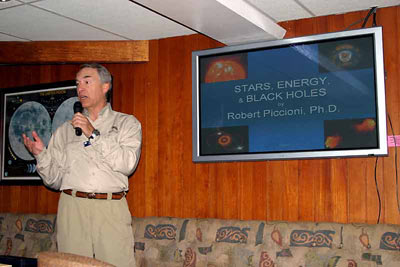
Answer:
(391, 140)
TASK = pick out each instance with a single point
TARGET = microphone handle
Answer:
(78, 131)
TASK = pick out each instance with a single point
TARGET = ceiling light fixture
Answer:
(4, 1)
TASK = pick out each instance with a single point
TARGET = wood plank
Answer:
(291, 187)
(246, 190)
(340, 193)
(151, 137)
(391, 35)
(374, 191)
(228, 173)
(73, 51)
(188, 168)
(260, 191)
(357, 183)
(276, 189)
(308, 174)
(323, 191)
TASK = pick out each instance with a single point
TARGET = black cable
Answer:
(372, 10)
(379, 195)
(354, 23)
(395, 162)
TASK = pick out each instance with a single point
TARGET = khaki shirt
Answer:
(103, 166)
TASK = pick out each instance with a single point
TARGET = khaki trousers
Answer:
(96, 228)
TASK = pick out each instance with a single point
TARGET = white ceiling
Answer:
(228, 21)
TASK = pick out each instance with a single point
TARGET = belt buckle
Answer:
(91, 195)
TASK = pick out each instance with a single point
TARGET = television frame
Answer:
(380, 103)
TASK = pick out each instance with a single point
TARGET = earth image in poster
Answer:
(30, 116)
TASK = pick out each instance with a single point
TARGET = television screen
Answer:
(308, 97)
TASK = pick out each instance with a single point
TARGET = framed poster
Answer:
(42, 108)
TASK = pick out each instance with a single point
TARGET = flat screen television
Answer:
(317, 96)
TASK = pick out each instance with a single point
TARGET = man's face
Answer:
(91, 91)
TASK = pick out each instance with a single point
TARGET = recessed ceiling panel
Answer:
(281, 10)
(214, 19)
(8, 38)
(34, 24)
(122, 17)
(322, 8)
(4, 5)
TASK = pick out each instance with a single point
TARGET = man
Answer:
(92, 172)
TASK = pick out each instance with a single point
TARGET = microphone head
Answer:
(78, 107)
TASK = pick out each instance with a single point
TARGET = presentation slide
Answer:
(303, 97)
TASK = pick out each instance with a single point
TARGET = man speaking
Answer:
(92, 169)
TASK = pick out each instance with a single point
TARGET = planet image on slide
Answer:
(30, 116)
(64, 113)
(224, 68)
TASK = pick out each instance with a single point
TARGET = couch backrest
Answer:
(216, 242)
(27, 234)
(166, 241)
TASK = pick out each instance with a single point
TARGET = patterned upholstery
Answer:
(27, 234)
(184, 242)
(215, 242)
(54, 259)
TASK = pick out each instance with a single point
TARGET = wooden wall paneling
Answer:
(259, 197)
(130, 87)
(308, 174)
(371, 194)
(164, 134)
(206, 200)
(291, 192)
(2, 198)
(177, 59)
(24, 199)
(73, 51)
(231, 191)
(214, 192)
(15, 196)
(227, 174)
(391, 32)
(357, 185)
(32, 203)
(339, 186)
(358, 169)
(138, 102)
(289, 27)
(276, 190)
(5, 199)
(246, 190)
(43, 200)
(188, 169)
(170, 69)
(205, 182)
(151, 135)
(372, 197)
(202, 190)
(322, 190)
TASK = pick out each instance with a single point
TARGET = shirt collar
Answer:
(106, 110)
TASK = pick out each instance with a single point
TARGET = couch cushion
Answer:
(27, 234)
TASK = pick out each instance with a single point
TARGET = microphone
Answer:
(78, 108)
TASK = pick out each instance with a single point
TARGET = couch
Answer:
(187, 242)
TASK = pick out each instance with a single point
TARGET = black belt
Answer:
(116, 196)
